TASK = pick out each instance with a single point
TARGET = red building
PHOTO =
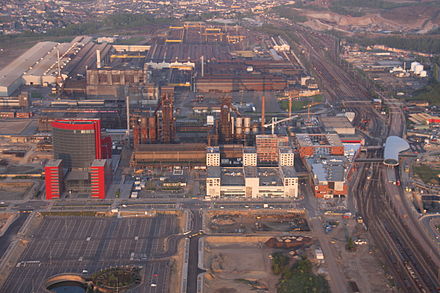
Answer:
(319, 144)
(106, 147)
(100, 178)
(54, 179)
(78, 144)
(77, 141)
(267, 146)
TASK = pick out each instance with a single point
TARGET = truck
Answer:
(266, 206)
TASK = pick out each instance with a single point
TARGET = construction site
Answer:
(238, 255)
(256, 222)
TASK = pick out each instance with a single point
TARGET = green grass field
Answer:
(427, 174)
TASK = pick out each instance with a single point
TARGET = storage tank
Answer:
(238, 131)
(247, 125)
(238, 126)
(239, 122)
(210, 120)
(418, 68)
(255, 128)
(414, 65)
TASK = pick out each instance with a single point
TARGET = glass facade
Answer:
(76, 147)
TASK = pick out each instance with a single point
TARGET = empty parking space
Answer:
(71, 244)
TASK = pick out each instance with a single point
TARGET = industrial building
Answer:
(11, 76)
(192, 154)
(20, 101)
(47, 63)
(111, 83)
(158, 126)
(328, 175)
(231, 127)
(339, 124)
(51, 68)
(319, 144)
(424, 119)
(250, 180)
(240, 82)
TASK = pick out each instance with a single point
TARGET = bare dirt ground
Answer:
(238, 267)
(361, 265)
(412, 17)
(255, 221)
(14, 190)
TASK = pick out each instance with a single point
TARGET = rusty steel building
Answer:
(240, 82)
(168, 121)
(225, 131)
(193, 154)
(155, 127)
(111, 83)
(144, 129)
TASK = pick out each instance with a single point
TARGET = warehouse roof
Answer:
(171, 147)
(49, 61)
(15, 69)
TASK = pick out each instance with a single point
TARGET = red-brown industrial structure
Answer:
(155, 127)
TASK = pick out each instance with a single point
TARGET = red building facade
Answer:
(54, 179)
(100, 178)
(78, 145)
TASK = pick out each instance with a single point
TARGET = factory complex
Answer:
(195, 96)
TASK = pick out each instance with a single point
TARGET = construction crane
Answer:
(308, 108)
(292, 94)
(275, 121)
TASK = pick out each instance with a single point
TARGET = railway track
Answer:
(408, 262)
(413, 270)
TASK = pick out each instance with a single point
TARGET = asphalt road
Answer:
(12, 231)
(193, 260)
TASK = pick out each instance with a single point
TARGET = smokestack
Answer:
(203, 66)
(263, 112)
(98, 59)
(127, 102)
(58, 62)
(290, 106)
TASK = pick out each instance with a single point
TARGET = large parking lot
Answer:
(67, 244)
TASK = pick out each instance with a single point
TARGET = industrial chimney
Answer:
(98, 59)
